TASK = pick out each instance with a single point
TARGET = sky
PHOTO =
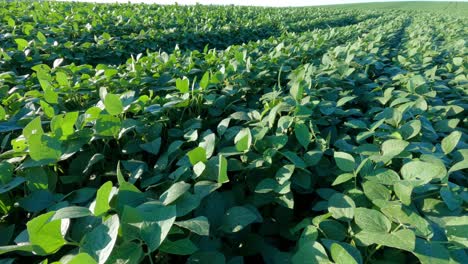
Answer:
(245, 2)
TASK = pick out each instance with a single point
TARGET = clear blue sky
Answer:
(244, 2)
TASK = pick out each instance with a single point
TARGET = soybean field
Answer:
(136, 133)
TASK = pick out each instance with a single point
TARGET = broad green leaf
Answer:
(100, 241)
(402, 239)
(431, 253)
(107, 125)
(2, 113)
(243, 140)
(371, 220)
(457, 61)
(410, 129)
(198, 225)
(343, 178)
(113, 104)
(22, 247)
(311, 253)
(149, 222)
(71, 212)
(383, 176)
(179, 247)
(375, 191)
(17, 181)
(405, 215)
(456, 230)
(205, 81)
(451, 199)
(63, 125)
(343, 253)
(237, 218)
(451, 141)
(182, 85)
(302, 134)
(21, 43)
(82, 258)
(196, 155)
(309, 235)
(393, 147)
(222, 170)
(103, 197)
(126, 253)
(403, 190)
(461, 164)
(45, 235)
(341, 206)
(344, 161)
(421, 171)
(44, 148)
(174, 192)
(33, 128)
(284, 173)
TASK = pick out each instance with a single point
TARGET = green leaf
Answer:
(393, 147)
(17, 181)
(21, 43)
(2, 113)
(222, 170)
(33, 128)
(309, 235)
(22, 247)
(205, 81)
(371, 220)
(149, 222)
(451, 141)
(421, 171)
(45, 235)
(402, 239)
(343, 178)
(63, 125)
(405, 215)
(310, 253)
(375, 191)
(243, 140)
(113, 104)
(343, 253)
(457, 61)
(44, 148)
(303, 134)
(456, 230)
(341, 206)
(126, 253)
(174, 192)
(451, 199)
(284, 173)
(100, 241)
(196, 155)
(431, 253)
(71, 212)
(198, 225)
(82, 258)
(344, 161)
(178, 247)
(403, 190)
(107, 125)
(182, 85)
(103, 197)
(410, 129)
(237, 218)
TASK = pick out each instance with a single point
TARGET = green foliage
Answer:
(209, 134)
